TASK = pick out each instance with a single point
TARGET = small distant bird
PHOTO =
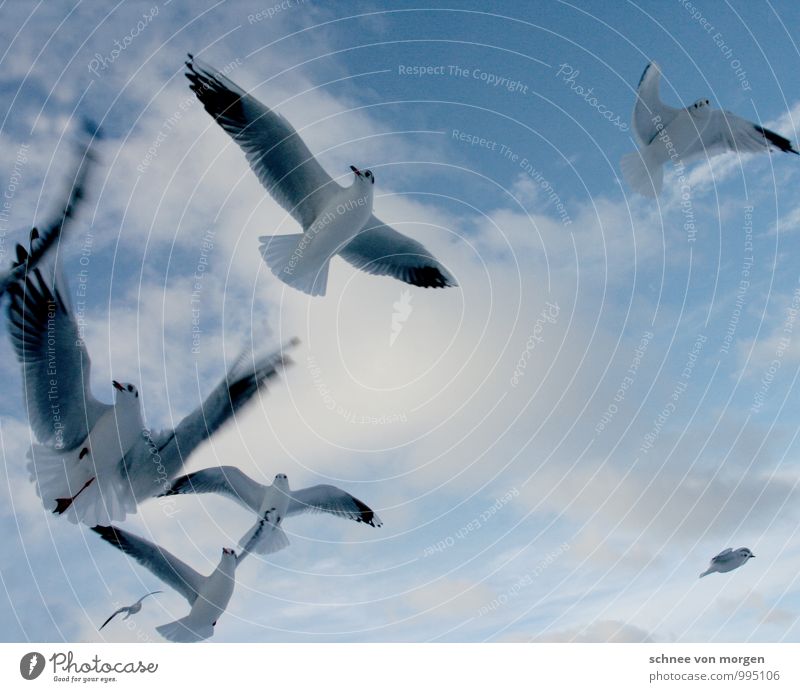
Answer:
(728, 560)
(207, 595)
(680, 134)
(95, 461)
(335, 219)
(42, 240)
(129, 610)
(273, 503)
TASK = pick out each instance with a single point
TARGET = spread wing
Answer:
(728, 132)
(381, 250)
(332, 500)
(55, 363)
(276, 153)
(113, 615)
(649, 111)
(224, 480)
(160, 562)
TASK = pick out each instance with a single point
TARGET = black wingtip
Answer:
(777, 140)
(108, 533)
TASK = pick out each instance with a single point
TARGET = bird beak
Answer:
(118, 386)
(356, 171)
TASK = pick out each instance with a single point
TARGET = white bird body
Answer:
(672, 134)
(208, 596)
(728, 560)
(301, 259)
(272, 504)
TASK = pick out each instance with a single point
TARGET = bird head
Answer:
(125, 391)
(699, 105)
(363, 177)
(745, 553)
(281, 480)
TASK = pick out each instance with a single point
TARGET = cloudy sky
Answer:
(558, 446)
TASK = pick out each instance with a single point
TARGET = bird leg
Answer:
(64, 503)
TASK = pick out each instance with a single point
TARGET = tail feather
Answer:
(284, 256)
(272, 539)
(68, 486)
(641, 175)
(186, 630)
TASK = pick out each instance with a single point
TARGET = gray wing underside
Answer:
(163, 564)
(650, 113)
(224, 480)
(331, 500)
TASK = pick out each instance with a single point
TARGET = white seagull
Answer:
(273, 503)
(208, 596)
(129, 610)
(335, 220)
(96, 461)
(672, 134)
(728, 560)
(42, 240)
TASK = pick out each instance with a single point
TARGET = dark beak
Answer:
(356, 171)
(118, 386)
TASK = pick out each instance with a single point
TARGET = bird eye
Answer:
(130, 388)
(368, 174)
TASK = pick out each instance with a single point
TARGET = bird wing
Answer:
(728, 132)
(224, 480)
(55, 363)
(724, 556)
(240, 383)
(160, 562)
(113, 615)
(152, 593)
(46, 236)
(650, 114)
(379, 249)
(274, 149)
(332, 500)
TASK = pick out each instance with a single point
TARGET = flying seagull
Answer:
(129, 610)
(41, 240)
(728, 560)
(96, 461)
(273, 503)
(335, 219)
(208, 596)
(672, 134)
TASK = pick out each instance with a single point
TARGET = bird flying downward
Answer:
(273, 503)
(336, 220)
(681, 134)
(129, 610)
(208, 596)
(728, 560)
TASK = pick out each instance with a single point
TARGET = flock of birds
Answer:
(95, 462)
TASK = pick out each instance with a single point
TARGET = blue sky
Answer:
(528, 490)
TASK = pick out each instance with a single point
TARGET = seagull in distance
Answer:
(728, 560)
(336, 220)
(95, 461)
(129, 610)
(208, 596)
(672, 134)
(273, 503)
